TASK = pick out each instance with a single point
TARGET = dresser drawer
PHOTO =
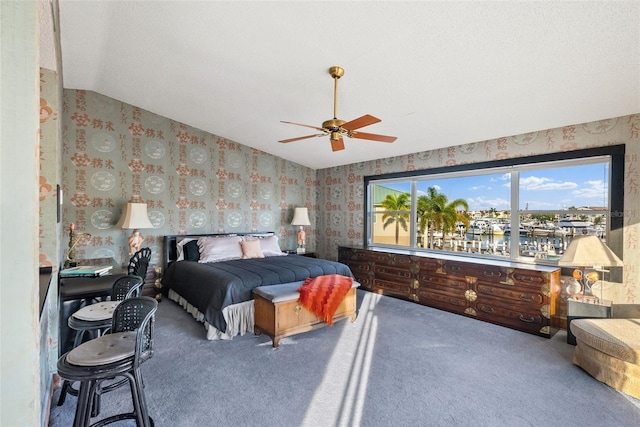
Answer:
(528, 278)
(388, 272)
(440, 299)
(440, 282)
(392, 287)
(515, 294)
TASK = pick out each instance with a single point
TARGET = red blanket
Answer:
(323, 294)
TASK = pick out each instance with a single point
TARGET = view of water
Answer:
(547, 247)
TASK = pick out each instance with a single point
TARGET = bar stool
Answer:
(95, 320)
(116, 354)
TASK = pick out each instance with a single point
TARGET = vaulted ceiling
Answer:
(437, 74)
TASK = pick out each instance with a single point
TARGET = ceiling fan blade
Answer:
(307, 126)
(301, 137)
(373, 137)
(337, 144)
(360, 122)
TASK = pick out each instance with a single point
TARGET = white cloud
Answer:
(595, 189)
(534, 183)
(481, 203)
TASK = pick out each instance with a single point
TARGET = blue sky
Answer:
(542, 189)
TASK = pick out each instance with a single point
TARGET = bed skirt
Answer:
(239, 318)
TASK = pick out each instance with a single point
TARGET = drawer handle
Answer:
(487, 309)
(529, 320)
(298, 309)
(526, 298)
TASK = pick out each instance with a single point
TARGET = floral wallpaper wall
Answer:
(48, 230)
(49, 166)
(192, 181)
(340, 200)
(196, 182)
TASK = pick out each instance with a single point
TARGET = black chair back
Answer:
(137, 314)
(139, 263)
(126, 287)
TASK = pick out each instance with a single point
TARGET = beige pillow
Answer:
(223, 248)
(251, 249)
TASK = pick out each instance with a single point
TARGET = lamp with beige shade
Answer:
(301, 218)
(588, 252)
(134, 217)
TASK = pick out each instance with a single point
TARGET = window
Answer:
(524, 209)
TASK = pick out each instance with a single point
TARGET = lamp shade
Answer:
(301, 217)
(589, 250)
(134, 216)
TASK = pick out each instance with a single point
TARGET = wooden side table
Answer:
(583, 310)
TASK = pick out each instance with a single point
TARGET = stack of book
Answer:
(86, 271)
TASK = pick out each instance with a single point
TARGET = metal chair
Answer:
(95, 319)
(139, 263)
(116, 354)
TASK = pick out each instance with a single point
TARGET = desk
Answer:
(76, 292)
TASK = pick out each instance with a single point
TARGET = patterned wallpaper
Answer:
(48, 230)
(196, 182)
(341, 190)
(49, 166)
(192, 181)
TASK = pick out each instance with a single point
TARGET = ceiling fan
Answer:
(337, 128)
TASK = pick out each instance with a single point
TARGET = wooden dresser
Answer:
(515, 295)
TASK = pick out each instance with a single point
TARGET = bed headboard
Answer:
(170, 242)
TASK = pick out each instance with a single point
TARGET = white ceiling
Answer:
(438, 74)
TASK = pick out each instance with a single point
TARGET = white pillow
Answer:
(180, 248)
(270, 246)
(251, 249)
(223, 248)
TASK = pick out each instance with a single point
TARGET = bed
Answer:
(212, 276)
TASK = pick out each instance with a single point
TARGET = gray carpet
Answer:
(399, 364)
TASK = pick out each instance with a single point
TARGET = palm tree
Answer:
(397, 203)
(436, 212)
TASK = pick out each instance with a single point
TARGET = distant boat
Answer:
(497, 229)
(539, 231)
(523, 231)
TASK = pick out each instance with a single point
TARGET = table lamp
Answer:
(301, 218)
(588, 251)
(134, 217)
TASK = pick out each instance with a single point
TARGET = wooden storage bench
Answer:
(279, 314)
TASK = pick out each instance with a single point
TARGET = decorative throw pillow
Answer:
(180, 247)
(191, 251)
(270, 246)
(223, 248)
(251, 249)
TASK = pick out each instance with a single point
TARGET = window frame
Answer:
(615, 213)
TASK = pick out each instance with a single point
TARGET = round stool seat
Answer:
(104, 350)
(97, 311)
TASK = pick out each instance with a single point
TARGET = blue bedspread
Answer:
(210, 287)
